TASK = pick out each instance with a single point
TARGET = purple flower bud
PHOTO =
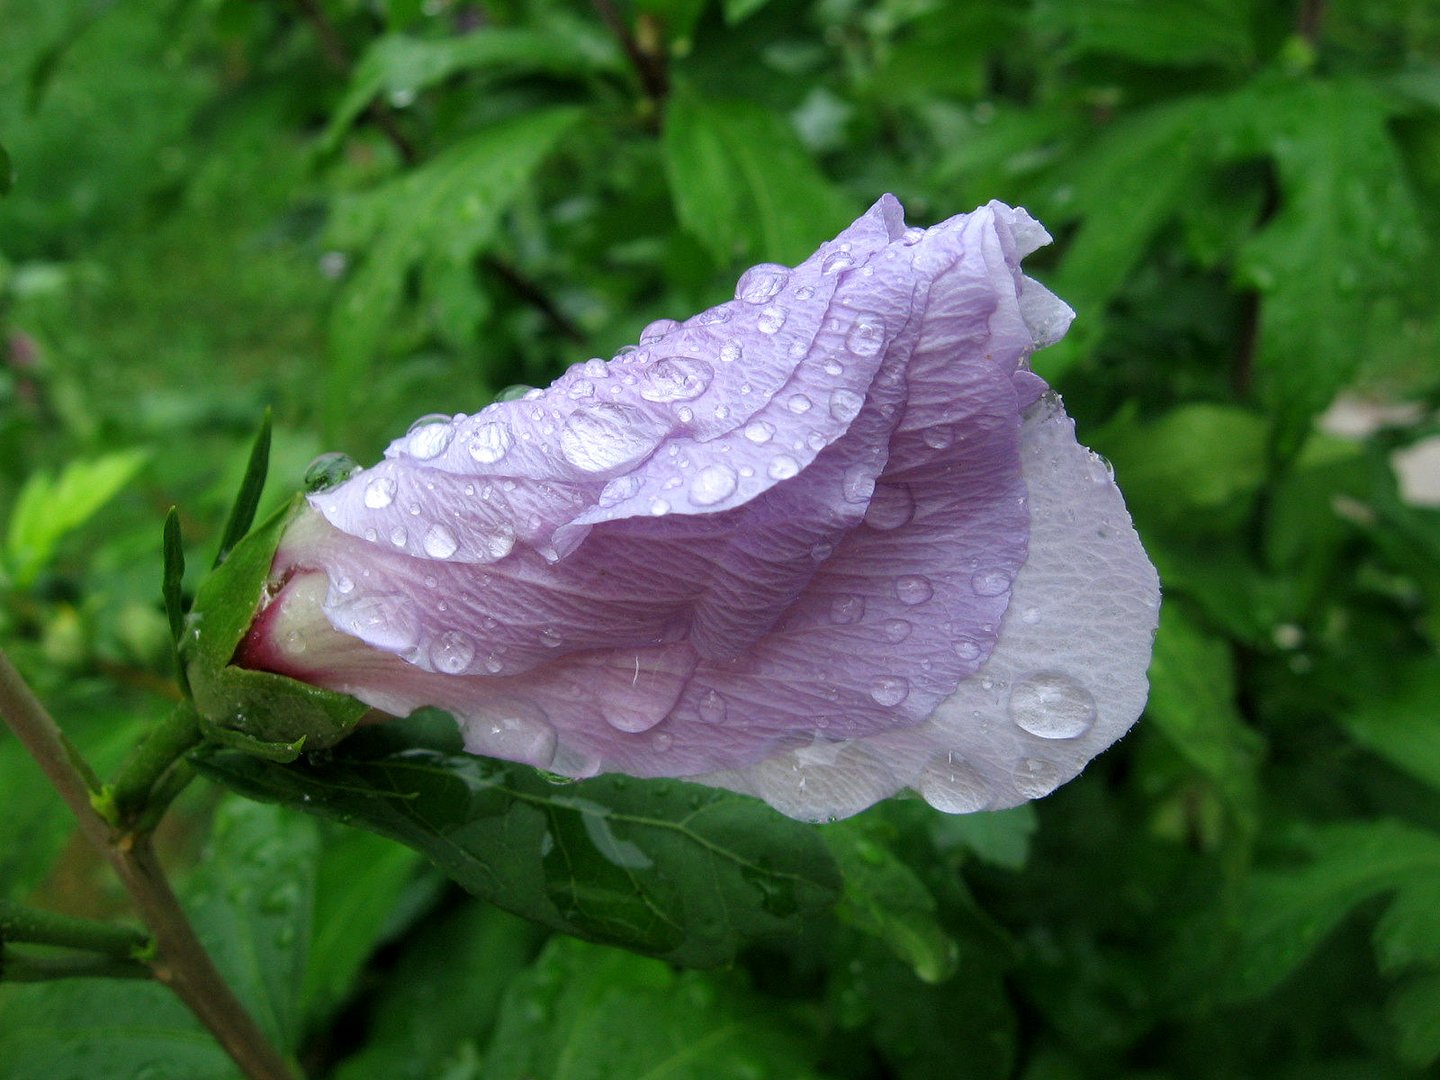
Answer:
(821, 543)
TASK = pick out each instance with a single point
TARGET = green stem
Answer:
(180, 960)
(24, 967)
(156, 759)
(21, 923)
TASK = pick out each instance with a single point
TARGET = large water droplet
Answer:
(429, 436)
(380, 493)
(836, 262)
(939, 436)
(1035, 777)
(858, 483)
(866, 336)
(760, 283)
(896, 630)
(847, 609)
(990, 582)
(597, 438)
(1052, 705)
(730, 352)
(711, 484)
(676, 378)
(782, 467)
(516, 392)
(771, 319)
(889, 690)
(328, 471)
(619, 489)
(551, 638)
(953, 786)
(913, 589)
(452, 651)
(759, 431)
(845, 405)
(712, 707)
(657, 329)
(385, 621)
(966, 649)
(439, 541)
(798, 404)
(891, 506)
(514, 732)
(490, 442)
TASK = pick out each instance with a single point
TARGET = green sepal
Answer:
(247, 500)
(265, 707)
(235, 739)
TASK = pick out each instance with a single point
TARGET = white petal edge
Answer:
(1081, 624)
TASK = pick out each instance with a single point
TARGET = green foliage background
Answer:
(360, 211)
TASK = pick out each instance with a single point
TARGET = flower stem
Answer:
(21, 923)
(180, 960)
(157, 758)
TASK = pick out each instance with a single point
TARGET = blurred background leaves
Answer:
(361, 211)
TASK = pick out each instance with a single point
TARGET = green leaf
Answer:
(1414, 1010)
(883, 897)
(743, 184)
(1168, 32)
(174, 574)
(397, 67)
(251, 899)
(1195, 470)
(247, 499)
(444, 213)
(104, 1030)
(445, 991)
(360, 879)
(47, 510)
(587, 1013)
(1346, 233)
(1192, 704)
(1286, 914)
(687, 873)
(1400, 726)
(999, 837)
(260, 706)
(737, 11)
(7, 172)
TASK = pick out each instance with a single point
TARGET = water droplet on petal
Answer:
(439, 541)
(712, 707)
(891, 506)
(429, 436)
(712, 484)
(619, 489)
(344, 584)
(845, 405)
(1052, 705)
(760, 283)
(858, 483)
(953, 786)
(597, 438)
(550, 638)
(1035, 777)
(398, 536)
(759, 431)
(380, 493)
(939, 437)
(966, 649)
(866, 336)
(889, 690)
(896, 630)
(328, 471)
(490, 442)
(913, 589)
(730, 352)
(836, 262)
(834, 367)
(912, 236)
(452, 651)
(514, 732)
(771, 319)
(675, 378)
(990, 582)
(657, 329)
(659, 507)
(798, 404)
(847, 609)
(782, 467)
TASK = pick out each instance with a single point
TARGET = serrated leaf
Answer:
(48, 509)
(247, 499)
(1285, 914)
(250, 899)
(1346, 232)
(1192, 704)
(743, 184)
(400, 66)
(259, 705)
(674, 870)
(883, 897)
(445, 213)
(104, 1030)
(586, 1013)
(1401, 726)
(1171, 32)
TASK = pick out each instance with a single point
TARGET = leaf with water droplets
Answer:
(687, 873)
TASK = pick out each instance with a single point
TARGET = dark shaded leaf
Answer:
(247, 499)
(686, 873)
